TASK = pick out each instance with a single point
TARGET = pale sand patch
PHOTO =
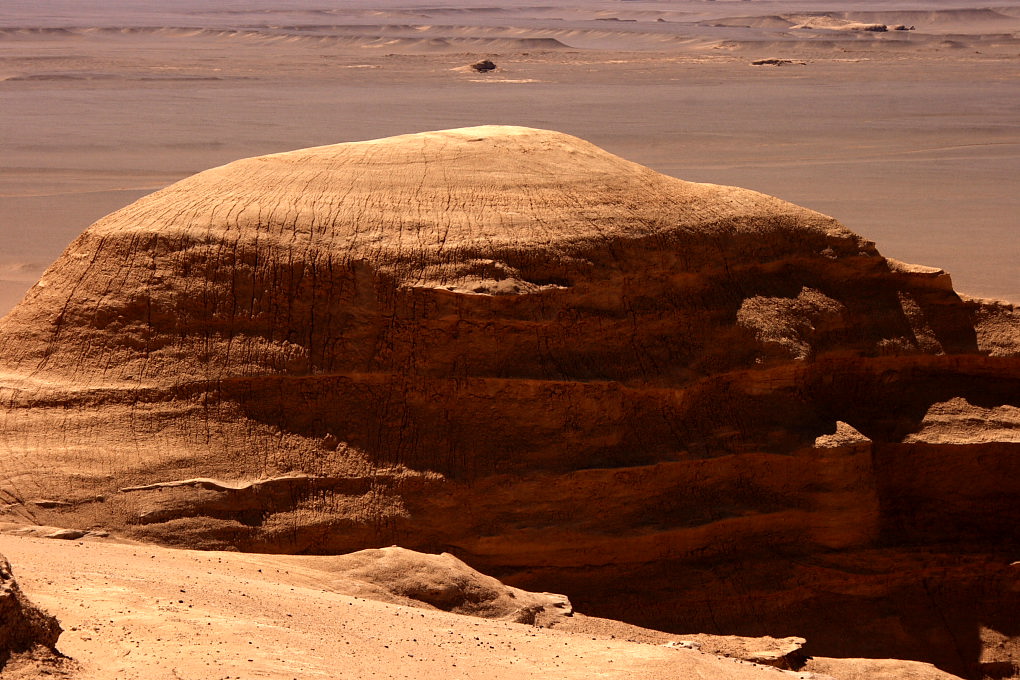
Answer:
(140, 611)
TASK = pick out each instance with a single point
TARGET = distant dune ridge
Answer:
(395, 38)
(438, 29)
(684, 405)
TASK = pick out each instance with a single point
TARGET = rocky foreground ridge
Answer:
(23, 626)
(687, 406)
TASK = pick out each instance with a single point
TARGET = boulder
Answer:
(483, 66)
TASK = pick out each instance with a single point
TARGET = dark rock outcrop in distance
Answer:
(484, 66)
(22, 624)
(687, 406)
(773, 61)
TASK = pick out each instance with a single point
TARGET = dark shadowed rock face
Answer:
(685, 405)
(22, 625)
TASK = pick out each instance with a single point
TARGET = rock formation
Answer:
(441, 582)
(22, 625)
(484, 66)
(687, 406)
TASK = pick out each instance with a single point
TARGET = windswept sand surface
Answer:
(140, 611)
(908, 136)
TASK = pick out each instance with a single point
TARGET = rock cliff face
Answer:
(684, 405)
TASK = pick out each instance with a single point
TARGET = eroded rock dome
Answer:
(558, 365)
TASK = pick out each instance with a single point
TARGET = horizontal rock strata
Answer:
(684, 405)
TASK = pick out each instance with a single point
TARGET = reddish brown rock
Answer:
(684, 405)
(439, 582)
(23, 626)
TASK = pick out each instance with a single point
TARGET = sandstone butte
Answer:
(686, 406)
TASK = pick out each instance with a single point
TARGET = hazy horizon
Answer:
(908, 137)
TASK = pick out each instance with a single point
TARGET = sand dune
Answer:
(953, 20)
(831, 45)
(409, 38)
(536, 28)
(402, 37)
(773, 21)
(963, 21)
(827, 31)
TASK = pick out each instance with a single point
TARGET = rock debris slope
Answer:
(684, 405)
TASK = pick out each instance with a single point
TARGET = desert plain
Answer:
(908, 137)
(897, 118)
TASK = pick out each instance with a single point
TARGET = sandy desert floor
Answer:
(140, 611)
(908, 136)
